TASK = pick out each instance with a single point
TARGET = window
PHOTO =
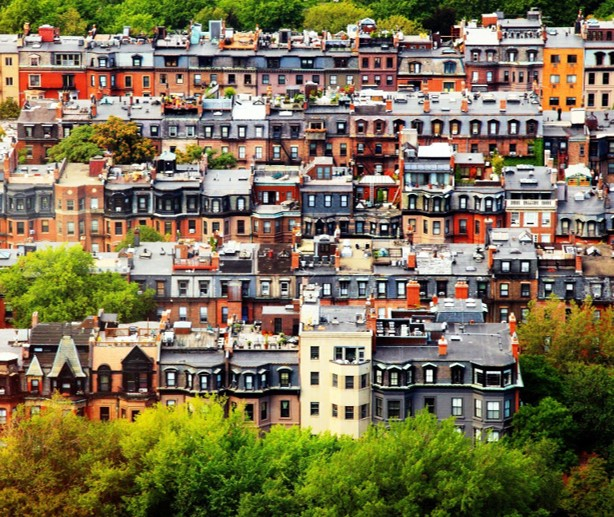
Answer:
(171, 378)
(34, 80)
(264, 410)
(314, 352)
(284, 409)
(349, 382)
(335, 380)
(504, 290)
(179, 78)
(429, 404)
(477, 408)
(335, 410)
(349, 412)
(507, 409)
(315, 378)
(429, 374)
(525, 290)
(105, 413)
(104, 378)
(493, 410)
(457, 406)
(394, 409)
(458, 373)
(379, 407)
(284, 379)
(314, 408)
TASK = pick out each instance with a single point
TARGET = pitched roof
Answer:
(34, 370)
(66, 355)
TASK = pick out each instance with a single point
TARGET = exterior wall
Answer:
(9, 75)
(563, 82)
(325, 393)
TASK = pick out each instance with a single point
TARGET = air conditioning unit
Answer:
(191, 230)
(512, 153)
(143, 390)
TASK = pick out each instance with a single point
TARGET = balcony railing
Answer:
(536, 204)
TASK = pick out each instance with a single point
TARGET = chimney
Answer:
(352, 107)
(412, 292)
(93, 110)
(389, 106)
(435, 300)
(337, 259)
(464, 106)
(215, 261)
(515, 346)
(442, 346)
(578, 263)
(461, 290)
(137, 237)
(511, 320)
(502, 105)
(34, 322)
(97, 165)
(411, 261)
(59, 110)
(491, 256)
(427, 106)
(267, 108)
(295, 260)
(487, 229)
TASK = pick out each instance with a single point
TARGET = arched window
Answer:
(104, 378)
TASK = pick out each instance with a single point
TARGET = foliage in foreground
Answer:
(196, 460)
(59, 284)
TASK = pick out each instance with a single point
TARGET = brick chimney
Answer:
(427, 106)
(411, 261)
(515, 347)
(464, 106)
(295, 260)
(412, 292)
(578, 263)
(502, 105)
(442, 345)
(512, 323)
(388, 106)
(435, 300)
(461, 290)
(337, 259)
(491, 256)
(34, 321)
(97, 165)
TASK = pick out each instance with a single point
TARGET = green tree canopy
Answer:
(123, 140)
(59, 285)
(335, 16)
(146, 233)
(9, 109)
(76, 147)
(60, 464)
(223, 161)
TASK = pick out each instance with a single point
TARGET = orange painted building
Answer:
(563, 75)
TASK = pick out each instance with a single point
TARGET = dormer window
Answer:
(137, 61)
(430, 373)
(35, 60)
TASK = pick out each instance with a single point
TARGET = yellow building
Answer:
(9, 67)
(335, 367)
(563, 78)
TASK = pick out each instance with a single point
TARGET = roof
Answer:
(66, 355)
(34, 370)
(52, 333)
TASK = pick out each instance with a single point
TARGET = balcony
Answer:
(531, 204)
(315, 134)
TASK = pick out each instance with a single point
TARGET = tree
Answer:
(123, 140)
(192, 154)
(398, 22)
(422, 467)
(60, 464)
(70, 22)
(497, 164)
(589, 490)
(76, 147)
(566, 335)
(59, 285)
(548, 420)
(223, 161)
(147, 234)
(540, 378)
(9, 109)
(334, 17)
